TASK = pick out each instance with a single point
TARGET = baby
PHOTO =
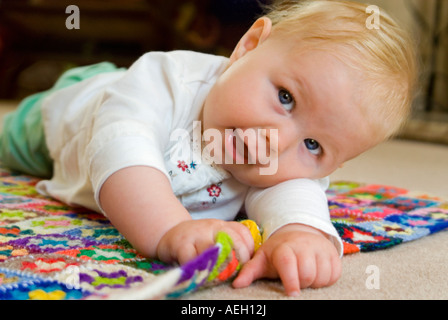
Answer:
(308, 85)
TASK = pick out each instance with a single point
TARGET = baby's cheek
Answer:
(306, 162)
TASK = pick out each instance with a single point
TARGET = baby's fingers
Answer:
(252, 270)
(335, 267)
(243, 242)
(285, 262)
(329, 271)
(323, 273)
(187, 253)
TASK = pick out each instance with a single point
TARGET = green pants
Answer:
(22, 141)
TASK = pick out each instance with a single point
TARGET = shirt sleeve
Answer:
(132, 123)
(295, 201)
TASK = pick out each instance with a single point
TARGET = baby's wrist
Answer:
(300, 228)
(165, 239)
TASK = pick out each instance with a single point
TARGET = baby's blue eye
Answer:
(286, 99)
(313, 146)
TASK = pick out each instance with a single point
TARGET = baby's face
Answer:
(308, 97)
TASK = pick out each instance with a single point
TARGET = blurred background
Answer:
(36, 45)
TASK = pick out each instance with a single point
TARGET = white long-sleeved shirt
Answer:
(127, 118)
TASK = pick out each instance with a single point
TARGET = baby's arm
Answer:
(140, 203)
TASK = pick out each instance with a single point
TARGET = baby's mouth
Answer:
(240, 149)
(237, 148)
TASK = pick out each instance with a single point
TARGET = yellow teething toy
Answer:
(254, 231)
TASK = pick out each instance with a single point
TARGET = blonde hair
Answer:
(385, 56)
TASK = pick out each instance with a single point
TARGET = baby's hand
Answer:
(188, 239)
(299, 255)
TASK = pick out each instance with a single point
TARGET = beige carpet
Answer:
(415, 270)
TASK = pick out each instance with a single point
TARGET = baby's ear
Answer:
(257, 33)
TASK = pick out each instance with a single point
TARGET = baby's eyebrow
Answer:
(301, 89)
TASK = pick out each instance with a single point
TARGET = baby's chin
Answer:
(249, 175)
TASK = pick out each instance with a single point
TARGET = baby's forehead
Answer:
(315, 54)
(323, 72)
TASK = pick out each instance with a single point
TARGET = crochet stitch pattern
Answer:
(52, 251)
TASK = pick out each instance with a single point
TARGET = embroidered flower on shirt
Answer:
(182, 165)
(214, 190)
(185, 167)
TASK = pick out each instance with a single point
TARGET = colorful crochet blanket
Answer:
(49, 250)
